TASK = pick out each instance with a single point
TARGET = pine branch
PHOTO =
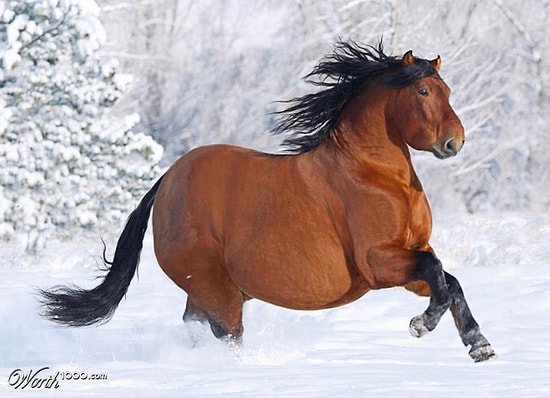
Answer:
(50, 32)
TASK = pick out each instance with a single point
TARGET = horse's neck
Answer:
(365, 140)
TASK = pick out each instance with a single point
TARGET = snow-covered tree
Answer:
(65, 163)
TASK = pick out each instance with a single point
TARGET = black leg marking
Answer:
(467, 327)
(446, 293)
(429, 269)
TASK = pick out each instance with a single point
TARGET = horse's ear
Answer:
(436, 63)
(408, 59)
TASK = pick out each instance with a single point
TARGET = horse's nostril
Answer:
(450, 146)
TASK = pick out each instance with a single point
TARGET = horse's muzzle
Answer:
(449, 148)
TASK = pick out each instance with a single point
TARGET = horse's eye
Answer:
(423, 92)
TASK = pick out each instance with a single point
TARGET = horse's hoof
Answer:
(417, 327)
(483, 353)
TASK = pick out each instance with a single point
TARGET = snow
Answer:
(10, 59)
(362, 349)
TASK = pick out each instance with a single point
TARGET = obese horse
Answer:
(341, 214)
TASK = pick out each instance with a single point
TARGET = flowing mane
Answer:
(342, 75)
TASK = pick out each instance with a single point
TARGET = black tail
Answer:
(74, 306)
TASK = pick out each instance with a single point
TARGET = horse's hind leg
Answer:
(223, 314)
(193, 313)
(213, 297)
(220, 328)
(223, 323)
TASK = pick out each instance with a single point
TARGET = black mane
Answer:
(342, 75)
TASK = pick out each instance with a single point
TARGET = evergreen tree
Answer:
(65, 164)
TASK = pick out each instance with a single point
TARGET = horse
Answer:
(340, 213)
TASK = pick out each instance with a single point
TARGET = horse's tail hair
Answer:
(74, 306)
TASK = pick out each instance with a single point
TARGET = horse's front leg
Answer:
(468, 328)
(429, 269)
(393, 266)
(401, 267)
(443, 284)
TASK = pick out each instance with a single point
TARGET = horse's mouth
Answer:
(440, 154)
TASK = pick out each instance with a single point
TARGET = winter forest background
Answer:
(84, 86)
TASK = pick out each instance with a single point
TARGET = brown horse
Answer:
(318, 228)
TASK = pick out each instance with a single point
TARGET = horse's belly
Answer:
(299, 281)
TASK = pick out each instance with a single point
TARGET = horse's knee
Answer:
(429, 270)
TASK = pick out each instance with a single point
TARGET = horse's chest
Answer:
(401, 216)
(418, 222)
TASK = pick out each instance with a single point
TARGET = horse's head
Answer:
(423, 115)
(355, 80)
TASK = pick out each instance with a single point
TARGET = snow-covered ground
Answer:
(363, 349)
